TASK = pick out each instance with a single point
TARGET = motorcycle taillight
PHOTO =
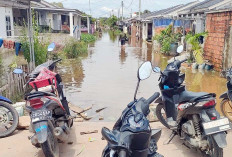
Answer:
(36, 103)
(209, 104)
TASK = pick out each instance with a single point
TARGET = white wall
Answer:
(5, 11)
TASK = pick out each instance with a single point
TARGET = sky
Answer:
(105, 8)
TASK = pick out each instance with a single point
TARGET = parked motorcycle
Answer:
(131, 135)
(198, 123)
(226, 105)
(48, 108)
(9, 117)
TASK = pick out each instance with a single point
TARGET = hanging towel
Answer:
(5, 44)
(1, 42)
(11, 44)
(17, 48)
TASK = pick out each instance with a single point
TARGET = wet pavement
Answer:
(107, 76)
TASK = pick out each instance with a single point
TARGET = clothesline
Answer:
(9, 44)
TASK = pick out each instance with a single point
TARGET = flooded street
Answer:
(107, 77)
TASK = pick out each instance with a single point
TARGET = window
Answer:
(8, 26)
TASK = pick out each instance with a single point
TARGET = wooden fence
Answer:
(14, 85)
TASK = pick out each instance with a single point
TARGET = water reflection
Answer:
(107, 76)
(113, 36)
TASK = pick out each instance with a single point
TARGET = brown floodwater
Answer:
(107, 76)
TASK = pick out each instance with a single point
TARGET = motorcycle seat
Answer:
(186, 96)
(39, 68)
(38, 94)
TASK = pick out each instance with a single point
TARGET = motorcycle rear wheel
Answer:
(8, 115)
(50, 147)
(226, 108)
(160, 113)
(214, 149)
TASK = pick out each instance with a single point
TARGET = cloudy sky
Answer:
(101, 8)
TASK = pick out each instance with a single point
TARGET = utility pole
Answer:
(118, 13)
(139, 9)
(122, 10)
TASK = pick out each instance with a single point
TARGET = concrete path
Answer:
(19, 145)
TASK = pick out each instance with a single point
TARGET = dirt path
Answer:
(19, 145)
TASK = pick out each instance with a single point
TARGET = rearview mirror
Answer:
(51, 47)
(156, 69)
(109, 136)
(145, 70)
(18, 71)
(180, 49)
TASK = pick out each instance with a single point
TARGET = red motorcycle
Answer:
(48, 108)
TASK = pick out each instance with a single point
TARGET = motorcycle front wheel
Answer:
(161, 115)
(50, 147)
(226, 108)
(214, 150)
(9, 119)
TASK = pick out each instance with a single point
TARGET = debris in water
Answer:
(88, 132)
(70, 142)
(99, 110)
(92, 139)
(101, 118)
(83, 148)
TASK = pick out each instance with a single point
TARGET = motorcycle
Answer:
(48, 108)
(9, 117)
(198, 123)
(226, 106)
(131, 135)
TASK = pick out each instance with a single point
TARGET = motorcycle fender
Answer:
(224, 96)
(41, 129)
(155, 134)
(2, 98)
(159, 100)
(220, 139)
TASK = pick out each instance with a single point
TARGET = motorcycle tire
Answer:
(15, 117)
(160, 116)
(224, 110)
(50, 147)
(215, 150)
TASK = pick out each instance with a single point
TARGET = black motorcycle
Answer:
(226, 103)
(131, 135)
(48, 108)
(197, 122)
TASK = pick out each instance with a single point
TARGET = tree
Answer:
(58, 4)
(112, 21)
(146, 11)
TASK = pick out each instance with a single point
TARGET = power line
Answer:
(130, 4)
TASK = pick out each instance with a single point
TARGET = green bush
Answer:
(166, 38)
(88, 38)
(40, 47)
(74, 48)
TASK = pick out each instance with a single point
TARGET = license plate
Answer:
(40, 115)
(216, 126)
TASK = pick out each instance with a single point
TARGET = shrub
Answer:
(74, 48)
(166, 37)
(88, 38)
(40, 47)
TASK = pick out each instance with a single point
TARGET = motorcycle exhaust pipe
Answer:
(60, 134)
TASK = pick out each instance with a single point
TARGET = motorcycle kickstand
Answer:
(170, 138)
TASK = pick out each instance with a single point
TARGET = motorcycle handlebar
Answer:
(152, 98)
(183, 61)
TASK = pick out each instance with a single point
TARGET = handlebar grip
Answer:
(152, 98)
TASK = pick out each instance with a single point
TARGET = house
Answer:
(218, 48)
(157, 21)
(54, 18)
(6, 16)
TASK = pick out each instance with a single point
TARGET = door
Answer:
(56, 24)
(8, 26)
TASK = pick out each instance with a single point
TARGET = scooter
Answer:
(131, 135)
(197, 122)
(9, 117)
(226, 104)
(48, 107)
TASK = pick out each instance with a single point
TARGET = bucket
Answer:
(19, 106)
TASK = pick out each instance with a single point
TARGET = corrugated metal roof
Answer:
(206, 4)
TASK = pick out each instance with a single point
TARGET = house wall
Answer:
(144, 31)
(218, 49)
(5, 11)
